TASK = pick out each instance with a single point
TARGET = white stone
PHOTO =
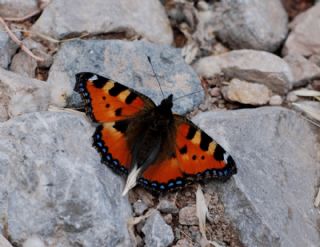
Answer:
(249, 65)
(246, 93)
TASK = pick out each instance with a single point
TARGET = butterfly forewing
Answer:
(107, 100)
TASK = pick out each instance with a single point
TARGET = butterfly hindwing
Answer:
(199, 155)
(162, 176)
(110, 141)
(107, 100)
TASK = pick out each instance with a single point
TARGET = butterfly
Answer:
(156, 148)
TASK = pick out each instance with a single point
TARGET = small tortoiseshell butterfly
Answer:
(156, 148)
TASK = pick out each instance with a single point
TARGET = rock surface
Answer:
(302, 69)
(249, 65)
(253, 24)
(56, 189)
(7, 47)
(270, 200)
(145, 18)
(246, 93)
(157, 232)
(24, 65)
(127, 63)
(304, 39)
(17, 8)
(20, 95)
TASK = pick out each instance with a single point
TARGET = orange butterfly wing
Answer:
(107, 100)
(162, 176)
(112, 104)
(197, 156)
(109, 140)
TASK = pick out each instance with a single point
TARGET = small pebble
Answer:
(275, 100)
(292, 97)
(215, 92)
(167, 207)
(202, 6)
(139, 207)
(168, 218)
(187, 216)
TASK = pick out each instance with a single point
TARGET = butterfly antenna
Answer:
(149, 59)
(188, 95)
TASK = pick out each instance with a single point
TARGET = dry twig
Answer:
(19, 42)
(42, 5)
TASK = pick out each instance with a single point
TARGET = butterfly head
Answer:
(166, 105)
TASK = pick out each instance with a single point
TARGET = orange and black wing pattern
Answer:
(107, 100)
(163, 176)
(113, 105)
(197, 156)
(110, 141)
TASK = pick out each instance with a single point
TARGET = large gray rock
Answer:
(7, 47)
(19, 94)
(249, 65)
(253, 24)
(157, 232)
(144, 18)
(270, 200)
(17, 8)
(56, 189)
(304, 38)
(127, 63)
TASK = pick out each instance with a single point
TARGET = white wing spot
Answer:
(225, 157)
(93, 78)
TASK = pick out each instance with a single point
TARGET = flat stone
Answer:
(249, 65)
(56, 189)
(24, 65)
(145, 18)
(127, 63)
(302, 69)
(246, 93)
(253, 24)
(20, 94)
(270, 199)
(304, 38)
(7, 47)
(17, 8)
(157, 232)
(188, 216)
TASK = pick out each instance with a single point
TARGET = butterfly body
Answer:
(158, 149)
